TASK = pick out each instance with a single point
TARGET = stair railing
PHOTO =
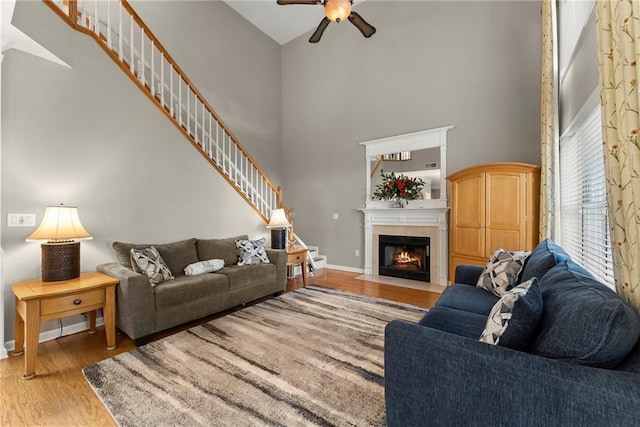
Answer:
(123, 35)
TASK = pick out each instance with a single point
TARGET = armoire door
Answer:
(505, 211)
(468, 216)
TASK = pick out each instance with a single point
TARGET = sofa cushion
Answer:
(241, 276)
(513, 321)
(458, 322)
(543, 258)
(179, 254)
(184, 289)
(201, 267)
(251, 252)
(583, 321)
(224, 249)
(501, 272)
(468, 298)
(149, 262)
(176, 255)
(632, 362)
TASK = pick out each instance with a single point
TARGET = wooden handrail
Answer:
(72, 20)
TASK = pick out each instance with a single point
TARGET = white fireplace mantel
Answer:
(419, 213)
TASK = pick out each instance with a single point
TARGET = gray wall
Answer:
(88, 137)
(474, 65)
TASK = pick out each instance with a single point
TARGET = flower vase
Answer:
(398, 203)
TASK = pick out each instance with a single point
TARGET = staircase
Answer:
(126, 39)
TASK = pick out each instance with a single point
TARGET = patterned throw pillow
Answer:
(501, 272)
(251, 252)
(513, 320)
(149, 262)
(201, 267)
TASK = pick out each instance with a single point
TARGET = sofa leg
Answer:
(277, 294)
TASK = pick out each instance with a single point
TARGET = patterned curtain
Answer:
(548, 124)
(618, 29)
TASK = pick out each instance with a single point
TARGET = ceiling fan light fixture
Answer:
(337, 10)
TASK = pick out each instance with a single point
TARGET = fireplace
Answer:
(405, 257)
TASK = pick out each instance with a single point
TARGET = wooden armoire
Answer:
(492, 206)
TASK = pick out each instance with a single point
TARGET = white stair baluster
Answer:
(120, 54)
(153, 73)
(235, 164)
(96, 22)
(173, 114)
(132, 62)
(162, 80)
(210, 136)
(180, 99)
(142, 66)
(202, 135)
(108, 26)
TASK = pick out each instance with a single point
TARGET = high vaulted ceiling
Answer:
(281, 23)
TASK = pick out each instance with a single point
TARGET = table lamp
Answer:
(61, 228)
(278, 225)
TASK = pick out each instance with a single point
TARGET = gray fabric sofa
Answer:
(143, 309)
(581, 368)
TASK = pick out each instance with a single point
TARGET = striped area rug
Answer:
(309, 357)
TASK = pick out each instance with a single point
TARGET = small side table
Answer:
(37, 301)
(297, 255)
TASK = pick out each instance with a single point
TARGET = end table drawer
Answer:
(296, 258)
(72, 302)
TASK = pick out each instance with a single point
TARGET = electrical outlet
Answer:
(21, 220)
(357, 253)
(336, 216)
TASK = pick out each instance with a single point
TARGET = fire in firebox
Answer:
(407, 260)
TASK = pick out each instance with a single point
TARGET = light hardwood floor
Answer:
(60, 395)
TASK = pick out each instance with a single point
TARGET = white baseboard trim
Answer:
(3, 353)
(74, 328)
(344, 268)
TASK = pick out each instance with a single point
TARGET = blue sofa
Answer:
(581, 368)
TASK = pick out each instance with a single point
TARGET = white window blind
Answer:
(583, 199)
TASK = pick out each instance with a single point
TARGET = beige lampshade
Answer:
(60, 223)
(278, 219)
(337, 10)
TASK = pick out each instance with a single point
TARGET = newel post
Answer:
(73, 11)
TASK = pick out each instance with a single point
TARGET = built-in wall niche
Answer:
(428, 160)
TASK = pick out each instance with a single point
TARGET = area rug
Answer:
(309, 357)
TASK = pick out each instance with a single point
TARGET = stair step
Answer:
(320, 261)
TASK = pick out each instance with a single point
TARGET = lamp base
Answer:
(278, 238)
(60, 261)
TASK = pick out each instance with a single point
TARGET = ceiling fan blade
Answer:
(315, 38)
(365, 28)
(284, 2)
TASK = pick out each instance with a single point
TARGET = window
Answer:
(583, 197)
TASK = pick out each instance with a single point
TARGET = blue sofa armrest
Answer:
(436, 378)
(468, 274)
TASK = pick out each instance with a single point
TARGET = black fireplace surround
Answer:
(406, 257)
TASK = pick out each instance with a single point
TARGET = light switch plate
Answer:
(21, 220)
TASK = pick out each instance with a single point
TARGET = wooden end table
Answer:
(297, 255)
(37, 301)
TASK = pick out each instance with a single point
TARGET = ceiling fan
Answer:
(336, 11)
